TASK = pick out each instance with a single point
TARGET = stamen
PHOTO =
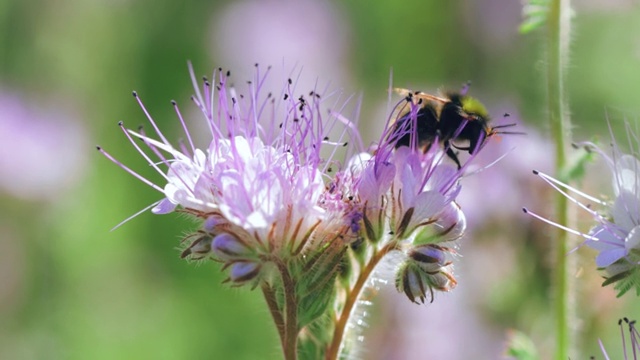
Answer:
(153, 164)
(491, 163)
(136, 214)
(604, 352)
(144, 155)
(559, 226)
(150, 145)
(624, 343)
(198, 94)
(550, 180)
(153, 123)
(127, 169)
(184, 125)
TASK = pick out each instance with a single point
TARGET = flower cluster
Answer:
(290, 201)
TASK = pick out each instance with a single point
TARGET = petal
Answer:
(626, 210)
(373, 184)
(165, 206)
(608, 257)
(607, 238)
(427, 205)
(441, 178)
(626, 175)
(633, 239)
(451, 223)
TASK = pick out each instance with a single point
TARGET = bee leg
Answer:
(452, 154)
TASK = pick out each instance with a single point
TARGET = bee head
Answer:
(473, 109)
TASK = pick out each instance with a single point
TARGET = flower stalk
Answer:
(341, 324)
(560, 124)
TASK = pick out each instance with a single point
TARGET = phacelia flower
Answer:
(259, 183)
(616, 236)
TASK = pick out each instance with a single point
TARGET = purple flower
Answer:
(260, 180)
(616, 236)
(41, 155)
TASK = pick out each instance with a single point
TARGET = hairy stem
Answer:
(276, 313)
(334, 349)
(557, 52)
(290, 343)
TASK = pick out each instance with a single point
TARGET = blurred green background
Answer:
(71, 289)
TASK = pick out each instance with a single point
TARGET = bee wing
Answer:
(419, 95)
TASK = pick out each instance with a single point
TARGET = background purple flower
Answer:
(42, 148)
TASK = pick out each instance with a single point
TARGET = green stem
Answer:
(557, 55)
(276, 313)
(334, 349)
(290, 342)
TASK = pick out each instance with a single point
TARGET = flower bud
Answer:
(415, 280)
(443, 280)
(412, 280)
(243, 271)
(227, 247)
(430, 257)
(199, 248)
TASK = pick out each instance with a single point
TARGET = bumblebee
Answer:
(446, 120)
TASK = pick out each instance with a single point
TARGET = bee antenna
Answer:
(510, 132)
(504, 126)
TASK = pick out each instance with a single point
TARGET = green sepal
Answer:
(428, 235)
(345, 270)
(625, 281)
(520, 346)
(315, 338)
(315, 287)
(316, 303)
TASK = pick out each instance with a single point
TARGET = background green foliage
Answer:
(70, 289)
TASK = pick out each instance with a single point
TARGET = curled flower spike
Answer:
(616, 236)
(427, 267)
